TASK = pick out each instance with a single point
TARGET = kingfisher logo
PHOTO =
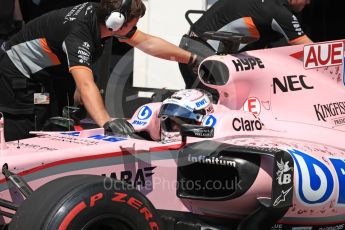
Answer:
(323, 55)
(210, 121)
(330, 110)
(144, 113)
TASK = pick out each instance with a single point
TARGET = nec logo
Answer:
(291, 83)
(322, 55)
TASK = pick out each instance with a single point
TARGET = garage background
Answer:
(128, 78)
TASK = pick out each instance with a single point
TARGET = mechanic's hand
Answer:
(195, 61)
(119, 127)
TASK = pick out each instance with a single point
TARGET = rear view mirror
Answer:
(196, 131)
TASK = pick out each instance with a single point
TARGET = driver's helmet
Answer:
(188, 106)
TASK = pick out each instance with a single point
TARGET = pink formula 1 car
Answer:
(271, 155)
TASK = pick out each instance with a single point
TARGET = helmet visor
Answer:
(173, 110)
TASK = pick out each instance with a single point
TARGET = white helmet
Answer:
(188, 106)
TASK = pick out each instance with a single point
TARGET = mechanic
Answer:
(266, 20)
(11, 19)
(69, 40)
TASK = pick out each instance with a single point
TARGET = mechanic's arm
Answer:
(159, 47)
(301, 40)
(90, 95)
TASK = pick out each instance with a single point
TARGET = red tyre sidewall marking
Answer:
(70, 216)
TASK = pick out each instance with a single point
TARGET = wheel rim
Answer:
(107, 222)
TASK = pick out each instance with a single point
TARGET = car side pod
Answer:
(263, 217)
(2, 133)
(272, 209)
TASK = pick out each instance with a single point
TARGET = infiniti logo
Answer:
(211, 160)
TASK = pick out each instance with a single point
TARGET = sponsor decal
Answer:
(281, 197)
(135, 178)
(89, 9)
(330, 110)
(344, 71)
(201, 103)
(86, 45)
(71, 15)
(337, 227)
(141, 123)
(302, 228)
(282, 186)
(339, 121)
(252, 105)
(240, 124)
(277, 227)
(118, 197)
(97, 137)
(210, 121)
(315, 183)
(144, 113)
(243, 64)
(322, 55)
(211, 160)
(84, 53)
(284, 172)
(296, 25)
(291, 83)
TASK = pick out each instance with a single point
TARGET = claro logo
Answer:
(240, 124)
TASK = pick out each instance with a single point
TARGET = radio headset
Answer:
(118, 18)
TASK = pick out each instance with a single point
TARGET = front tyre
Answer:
(86, 202)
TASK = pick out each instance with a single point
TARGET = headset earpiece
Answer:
(117, 18)
(115, 21)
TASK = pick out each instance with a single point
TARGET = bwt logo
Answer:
(144, 113)
(201, 103)
(210, 121)
(316, 183)
(136, 122)
(322, 55)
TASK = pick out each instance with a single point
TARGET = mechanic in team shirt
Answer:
(69, 40)
(266, 20)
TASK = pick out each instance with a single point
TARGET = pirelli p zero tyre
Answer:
(86, 202)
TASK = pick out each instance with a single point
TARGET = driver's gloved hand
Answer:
(119, 127)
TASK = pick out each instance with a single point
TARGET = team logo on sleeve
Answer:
(84, 53)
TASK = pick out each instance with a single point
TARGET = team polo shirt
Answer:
(266, 20)
(57, 42)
